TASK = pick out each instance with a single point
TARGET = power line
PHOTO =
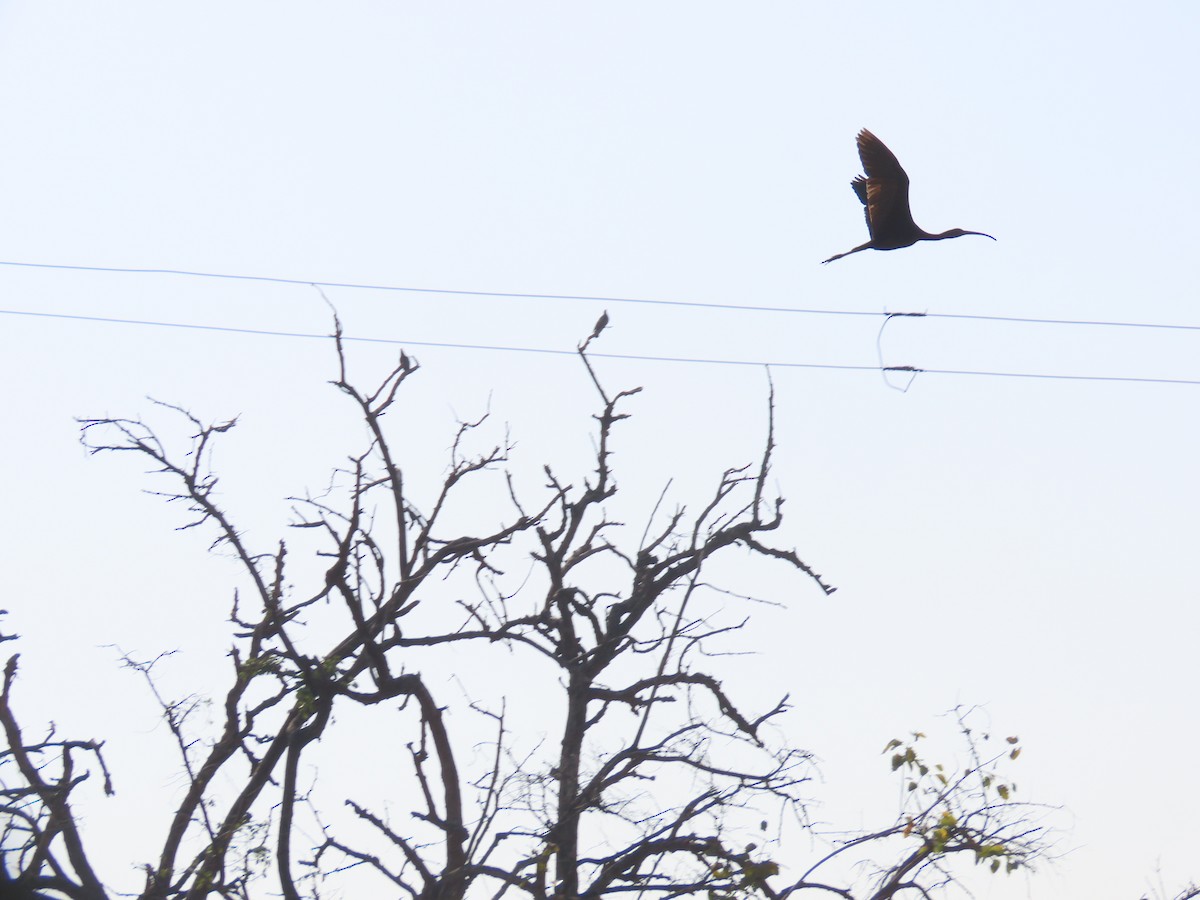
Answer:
(1048, 375)
(362, 286)
(553, 351)
(1033, 321)
(913, 370)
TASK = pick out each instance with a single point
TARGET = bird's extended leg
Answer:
(869, 245)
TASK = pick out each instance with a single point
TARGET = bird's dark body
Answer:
(883, 192)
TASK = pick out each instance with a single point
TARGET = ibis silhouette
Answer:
(884, 194)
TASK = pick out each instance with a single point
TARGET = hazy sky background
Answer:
(1025, 544)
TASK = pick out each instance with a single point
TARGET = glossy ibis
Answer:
(884, 194)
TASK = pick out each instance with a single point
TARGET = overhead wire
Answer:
(553, 351)
(912, 370)
(737, 307)
(366, 286)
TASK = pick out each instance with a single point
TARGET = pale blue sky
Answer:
(1028, 545)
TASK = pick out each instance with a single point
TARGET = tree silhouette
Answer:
(648, 775)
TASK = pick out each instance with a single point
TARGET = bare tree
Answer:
(658, 781)
(41, 848)
(948, 813)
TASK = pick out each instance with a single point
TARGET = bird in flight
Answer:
(884, 195)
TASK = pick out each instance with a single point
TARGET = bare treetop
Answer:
(654, 778)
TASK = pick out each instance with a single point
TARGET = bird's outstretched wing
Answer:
(884, 192)
(860, 188)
